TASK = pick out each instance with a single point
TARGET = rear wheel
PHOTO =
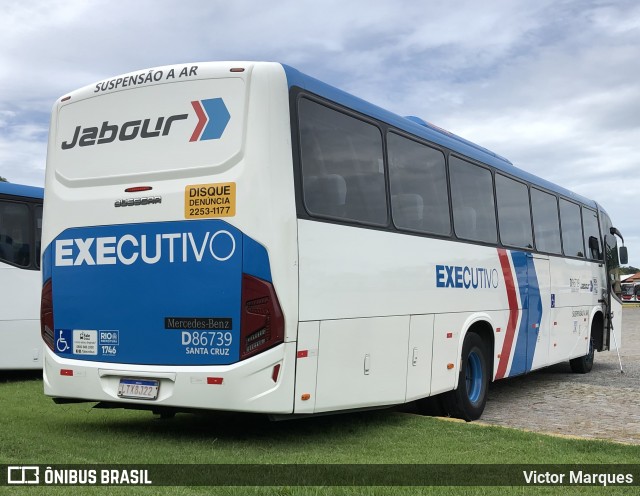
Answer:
(583, 364)
(469, 399)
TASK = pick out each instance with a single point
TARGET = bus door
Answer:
(613, 311)
(613, 294)
(533, 279)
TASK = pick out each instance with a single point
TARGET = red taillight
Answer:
(138, 189)
(262, 322)
(46, 315)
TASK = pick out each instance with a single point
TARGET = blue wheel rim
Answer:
(473, 376)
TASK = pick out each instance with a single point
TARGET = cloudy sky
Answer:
(552, 85)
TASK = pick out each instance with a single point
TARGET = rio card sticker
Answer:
(207, 201)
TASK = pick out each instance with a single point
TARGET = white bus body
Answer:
(20, 277)
(189, 266)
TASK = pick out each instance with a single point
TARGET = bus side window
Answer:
(14, 233)
(571, 227)
(546, 225)
(591, 234)
(474, 216)
(418, 182)
(514, 217)
(342, 165)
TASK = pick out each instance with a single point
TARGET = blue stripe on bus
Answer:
(21, 190)
(255, 260)
(531, 304)
(535, 312)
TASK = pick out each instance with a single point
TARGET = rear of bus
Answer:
(170, 262)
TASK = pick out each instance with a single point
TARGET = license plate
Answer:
(141, 389)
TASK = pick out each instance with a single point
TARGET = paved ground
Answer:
(602, 404)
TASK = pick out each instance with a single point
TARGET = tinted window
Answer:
(546, 225)
(419, 198)
(514, 217)
(572, 240)
(473, 204)
(15, 226)
(590, 227)
(342, 165)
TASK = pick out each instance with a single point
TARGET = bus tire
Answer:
(467, 402)
(583, 364)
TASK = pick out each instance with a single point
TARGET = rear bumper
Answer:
(246, 386)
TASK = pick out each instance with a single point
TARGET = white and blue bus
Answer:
(20, 277)
(240, 236)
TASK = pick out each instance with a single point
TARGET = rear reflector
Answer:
(67, 372)
(214, 380)
(275, 373)
(303, 354)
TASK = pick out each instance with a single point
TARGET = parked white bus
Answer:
(239, 236)
(20, 277)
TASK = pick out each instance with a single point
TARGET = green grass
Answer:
(36, 431)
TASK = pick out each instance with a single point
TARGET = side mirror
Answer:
(624, 257)
(616, 232)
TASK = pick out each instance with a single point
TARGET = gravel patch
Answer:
(603, 404)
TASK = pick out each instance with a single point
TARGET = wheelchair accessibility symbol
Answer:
(63, 342)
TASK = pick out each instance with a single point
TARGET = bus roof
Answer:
(21, 190)
(425, 130)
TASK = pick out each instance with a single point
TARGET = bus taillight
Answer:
(46, 315)
(262, 321)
